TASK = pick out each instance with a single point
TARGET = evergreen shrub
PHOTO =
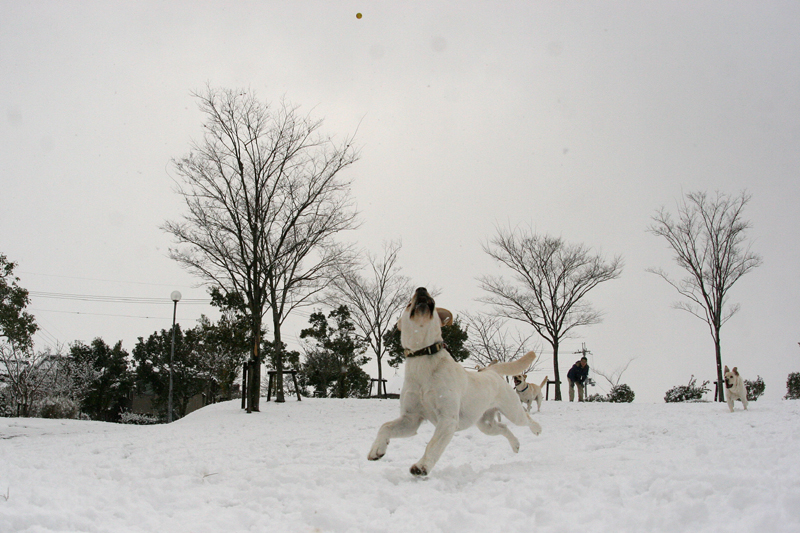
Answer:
(139, 420)
(793, 386)
(621, 394)
(687, 393)
(754, 388)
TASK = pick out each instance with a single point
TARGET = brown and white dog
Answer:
(438, 389)
(528, 392)
(734, 388)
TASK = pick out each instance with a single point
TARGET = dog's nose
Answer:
(422, 289)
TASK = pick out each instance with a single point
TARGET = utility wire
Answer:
(106, 314)
(116, 299)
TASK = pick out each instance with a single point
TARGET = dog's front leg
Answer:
(445, 429)
(405, 426)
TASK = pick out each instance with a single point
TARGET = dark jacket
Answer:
(578, 373)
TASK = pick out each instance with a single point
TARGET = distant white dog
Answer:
(438, 389)
(734, 386)
(528, 392)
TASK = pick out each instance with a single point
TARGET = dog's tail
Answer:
(544, 382)
(513, 368)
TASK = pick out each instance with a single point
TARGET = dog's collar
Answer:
(526, 388)
(428, 350)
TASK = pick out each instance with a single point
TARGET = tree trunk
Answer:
(254, 383)
(279, 397)
(556, 372)
(380, 372)
(720, 381)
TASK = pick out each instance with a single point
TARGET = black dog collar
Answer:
(428, 350)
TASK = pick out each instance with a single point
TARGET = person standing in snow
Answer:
(577, 375)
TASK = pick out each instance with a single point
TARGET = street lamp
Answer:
(176, 297)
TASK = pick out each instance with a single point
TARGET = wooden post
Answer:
(244, 385)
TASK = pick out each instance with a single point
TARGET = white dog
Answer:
(528, 392)
(438, 389)
(734, 385)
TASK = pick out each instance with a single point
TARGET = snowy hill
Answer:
(301, 467)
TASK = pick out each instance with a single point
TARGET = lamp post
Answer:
(176, 297)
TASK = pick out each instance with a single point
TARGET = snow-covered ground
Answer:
(302, 467)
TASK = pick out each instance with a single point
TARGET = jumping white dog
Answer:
(528, 392)
(734, 387)
(438, 389)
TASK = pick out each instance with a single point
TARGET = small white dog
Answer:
(734, 386)
(438, 389)
(528, 392)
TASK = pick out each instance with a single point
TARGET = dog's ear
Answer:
(726, 369)
(736, 371)
(445, 316)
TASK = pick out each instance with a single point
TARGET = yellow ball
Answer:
(358, 15)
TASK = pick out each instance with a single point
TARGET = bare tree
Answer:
(614, 376)
(550, 281)
(374, 300)
(490, 341)
(264, 198)
(708, 240)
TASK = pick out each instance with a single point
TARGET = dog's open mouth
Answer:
(423, 303)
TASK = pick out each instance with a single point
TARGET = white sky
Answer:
(577, 118)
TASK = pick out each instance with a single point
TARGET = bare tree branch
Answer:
(550, 280)
(264, 198)
(709, 243)
(375, 299)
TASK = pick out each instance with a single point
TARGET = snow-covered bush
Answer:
(793, 386)
(596, 398)
(57, 407)
(687, 393)
(6, 402)
(140, 420)
(621, 394)
(754, 388)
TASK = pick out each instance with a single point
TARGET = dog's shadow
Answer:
(458, 476)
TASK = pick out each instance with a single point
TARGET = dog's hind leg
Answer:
(405, 426)
(519, 417)
(489, 425)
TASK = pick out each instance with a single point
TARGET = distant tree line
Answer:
(266, 194)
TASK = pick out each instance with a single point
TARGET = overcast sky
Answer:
(578, 119)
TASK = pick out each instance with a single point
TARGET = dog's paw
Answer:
(514, 445)
(376, 453)
(536, 429)
(417, 470)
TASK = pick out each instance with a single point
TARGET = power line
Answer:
(116, 299)
(105, 280)
(103, 314)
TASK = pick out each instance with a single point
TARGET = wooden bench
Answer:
(272, 384)
(379, 382)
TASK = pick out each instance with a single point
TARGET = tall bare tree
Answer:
(490, 340)
(374, 300)
(550, 281)
(264, 197)
(709, 243)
